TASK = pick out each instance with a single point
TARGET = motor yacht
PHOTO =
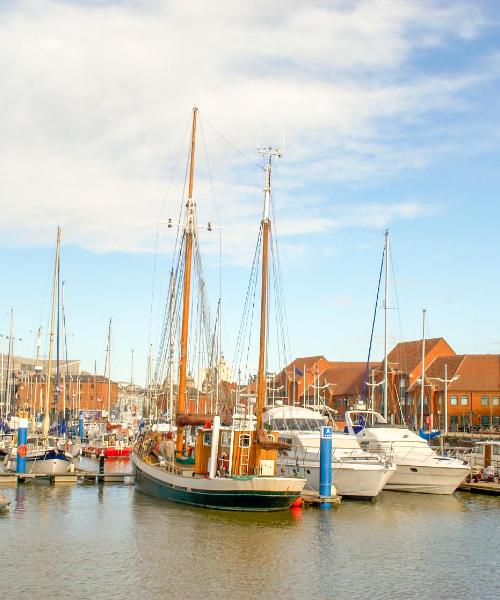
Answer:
(355, 473)
(419, 467)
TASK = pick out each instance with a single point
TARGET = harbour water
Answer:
(81, 541)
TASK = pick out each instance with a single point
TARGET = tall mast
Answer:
(55, 288)
(58, 334)
(386, 296)
(109, 370)
(10, 359)
(266, 224)
(189, 233)
(422, 375)
(171, 351)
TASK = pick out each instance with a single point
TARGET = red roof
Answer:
(405, 356)
(474, 372)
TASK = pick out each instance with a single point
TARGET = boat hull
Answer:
(249, 494)
(48, 462)
(360, 481)
(427, 479)
(108, 451)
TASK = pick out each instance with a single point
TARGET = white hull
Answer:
(350, 480)
(419, 468)
(35, 463)
(427, 479)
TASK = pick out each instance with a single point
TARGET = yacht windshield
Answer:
(297, 424)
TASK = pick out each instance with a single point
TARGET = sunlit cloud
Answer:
(96, 100)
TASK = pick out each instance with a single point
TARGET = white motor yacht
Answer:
(419, 468)
(355, 473)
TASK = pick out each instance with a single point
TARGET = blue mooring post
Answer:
(80, 426)
(325, 466)
(22, 438)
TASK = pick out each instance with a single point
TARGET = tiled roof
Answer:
(405, 356)
(476, 372)
(346, 378)
(307, 361)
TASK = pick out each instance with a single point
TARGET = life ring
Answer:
(22, 450)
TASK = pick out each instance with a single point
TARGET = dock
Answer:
(481, 487)
(77, 475)
(312, 498)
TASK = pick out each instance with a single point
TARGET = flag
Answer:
(297, 371)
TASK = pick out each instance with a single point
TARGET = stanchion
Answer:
(325, 467)
(22, 448)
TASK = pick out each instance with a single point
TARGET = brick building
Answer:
(473, 395)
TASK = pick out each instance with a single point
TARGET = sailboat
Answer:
(234, 468)
(46, 454)
(418, 467)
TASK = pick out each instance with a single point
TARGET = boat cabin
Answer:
(239, 453)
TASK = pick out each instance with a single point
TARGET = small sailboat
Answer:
(46, 454)
(234, 468)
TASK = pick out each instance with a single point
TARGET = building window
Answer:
(496, 422)
(453, 401)
(484, 401)
(464, 400)
(485, 421)
(495, 401)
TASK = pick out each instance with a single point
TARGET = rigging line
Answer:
(397, 301)
(256, 271)
(286, 331)
(240, 152)
(177, 159)
(238, 352)
(172, 174)
(278, 303)
(219, 223)
(363, 389)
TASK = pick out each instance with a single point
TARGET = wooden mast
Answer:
(55, 287)
(189, 232)
(266, 223)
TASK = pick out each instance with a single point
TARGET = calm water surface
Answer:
(81, 541)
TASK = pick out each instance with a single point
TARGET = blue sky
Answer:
(389, 112)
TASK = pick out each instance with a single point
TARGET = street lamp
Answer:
(446, 382)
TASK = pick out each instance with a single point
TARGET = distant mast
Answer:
(189, 233)
(109, 371)
(386, 297)
(266, 224)
(422, 374)
(55, 288)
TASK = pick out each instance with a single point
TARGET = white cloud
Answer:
(96, 99)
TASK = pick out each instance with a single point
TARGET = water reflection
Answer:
(121, 543)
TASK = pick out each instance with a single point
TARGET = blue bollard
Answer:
(80, 426)
(22, 449)
(325, 466)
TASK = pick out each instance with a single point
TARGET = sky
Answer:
(388, 114)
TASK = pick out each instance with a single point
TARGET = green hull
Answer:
(242, 501)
